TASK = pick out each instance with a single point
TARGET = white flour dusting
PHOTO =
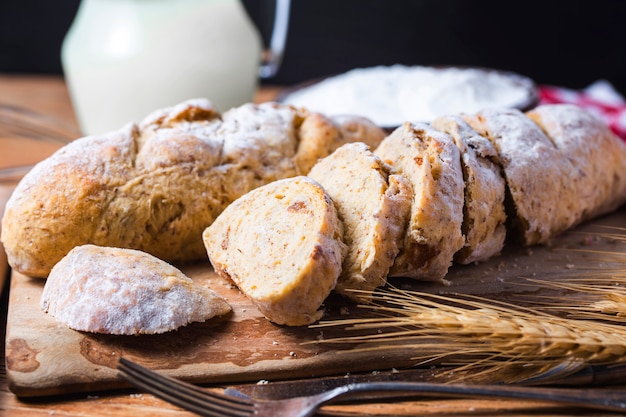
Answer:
(391, 95)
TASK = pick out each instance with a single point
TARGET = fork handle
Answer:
(611, 400)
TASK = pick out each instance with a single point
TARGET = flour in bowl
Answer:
(391, 95)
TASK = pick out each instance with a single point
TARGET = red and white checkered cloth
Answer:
(600, 98)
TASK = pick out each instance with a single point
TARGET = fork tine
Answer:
(184, 395)
(137, 369)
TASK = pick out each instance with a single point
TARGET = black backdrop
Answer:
(567, 43)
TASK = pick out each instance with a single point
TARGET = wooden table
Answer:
(45, 99)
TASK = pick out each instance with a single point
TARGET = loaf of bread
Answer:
(464, 177)
(530, 164)
(155, 186)
(125, 292)
(319, 138)
(373, 205)
(282, 245)
(593, 163)
(562, 166)
(431, 162)
(484, 214)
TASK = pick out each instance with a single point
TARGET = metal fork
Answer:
(211, 403)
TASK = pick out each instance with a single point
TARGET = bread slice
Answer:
(484, 214)
(373, 205)
(593, 162)
(430, 160)
(532, 166)
(125, 292)
(281, 244)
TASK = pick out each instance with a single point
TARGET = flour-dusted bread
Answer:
(321, 135)
(281, 244)
(125, 292)
(430, 160)
(155, 186)
(532, 166)
(484, 214)
(593, 167)
(373, 205)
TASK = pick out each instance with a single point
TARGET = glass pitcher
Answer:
(122, 59)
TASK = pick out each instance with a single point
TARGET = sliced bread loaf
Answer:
(484, 215)
(430, 160)
(532, 167)
(373, 206)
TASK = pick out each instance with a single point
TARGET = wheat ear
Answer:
(596, 292)
(472, 332)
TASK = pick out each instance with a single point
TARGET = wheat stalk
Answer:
(597, 298)
(490, 337)
(618, 235)
(473, 332)
(597, 292)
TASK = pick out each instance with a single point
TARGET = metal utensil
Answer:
(211, 403)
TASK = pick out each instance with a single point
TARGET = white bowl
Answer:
(391, 95)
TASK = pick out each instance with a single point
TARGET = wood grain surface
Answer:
(44, 357)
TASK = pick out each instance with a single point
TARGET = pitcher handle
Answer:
(273, 56)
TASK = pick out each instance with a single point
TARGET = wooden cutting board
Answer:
(44, 357)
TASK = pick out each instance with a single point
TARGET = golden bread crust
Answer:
(157, 185)
(524, 151)
(430, 160)
(484, 214)
(593, 167)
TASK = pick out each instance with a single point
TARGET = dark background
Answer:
(564, 43)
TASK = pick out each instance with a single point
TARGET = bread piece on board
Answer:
(281, 244)
(484, 214)
(125, 292)
(157, 185)
(532, 166)
(430, 160)
(593, 170)
(373, 206)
